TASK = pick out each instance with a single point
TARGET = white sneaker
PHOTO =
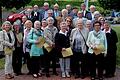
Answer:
(63, 75)
(67, 74)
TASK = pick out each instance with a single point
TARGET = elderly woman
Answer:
(43, 24)
(62, 42)
(110, 59)
(35, 51)
(69, 24)
(97, 44)
(78, 39)
(89, 25)
(17, 54)
(7, 41)
(28, 25)
(64, 13)
(49, 34)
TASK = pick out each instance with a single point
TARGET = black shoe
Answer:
(82, 77)
(47, 75)
(55, 73)
(77, 76)
(101, 78)
(16, 74)
(20, 73)
(29, 73)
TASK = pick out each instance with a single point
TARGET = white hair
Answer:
(88, 21)
(92, 6)
(46, 4)
(37, 22)
(50, 18)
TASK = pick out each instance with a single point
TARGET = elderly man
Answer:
(86, 14)
(35, 13)
(44, 11)
(56, 11)
(69, 8)
(92, 10)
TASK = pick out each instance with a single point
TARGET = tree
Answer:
(109, 4)
(12, 3)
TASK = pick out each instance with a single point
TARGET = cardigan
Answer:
(4, 39)
(31, 38)
(96, 38)
(84, 32)
(61, 41)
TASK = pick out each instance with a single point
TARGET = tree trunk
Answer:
(0, 15)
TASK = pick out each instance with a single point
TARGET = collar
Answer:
(109, 31)
(63, 32)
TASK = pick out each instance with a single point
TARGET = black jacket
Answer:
(61, 41)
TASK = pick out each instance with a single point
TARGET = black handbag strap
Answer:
(83, 37)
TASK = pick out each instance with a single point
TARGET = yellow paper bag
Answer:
(67, 52)
(47, 47)
(41, 42)
(100, 49)
(8, 51)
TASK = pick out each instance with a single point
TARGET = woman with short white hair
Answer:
(78, 39)
(64, 14)
(49, 34)
(35, 51)
(7, 41)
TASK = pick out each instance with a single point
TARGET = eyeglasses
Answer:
(97, 25)
(68, 20)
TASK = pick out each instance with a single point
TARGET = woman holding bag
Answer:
(7, 41)
(62, 42)
(35, 51)
(97, 44)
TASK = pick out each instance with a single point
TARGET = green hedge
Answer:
(62, 4)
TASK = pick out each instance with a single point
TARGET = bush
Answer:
(62, 4)
(102, 10)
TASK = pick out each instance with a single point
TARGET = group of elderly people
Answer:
(86, 33)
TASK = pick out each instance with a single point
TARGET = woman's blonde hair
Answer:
(28, 21)
(6, 22)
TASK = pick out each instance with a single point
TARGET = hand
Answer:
(94, 48)
(53, 45)
(36, 42)
(63, 49)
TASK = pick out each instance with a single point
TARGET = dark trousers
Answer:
(77, 59)
(28, 61)
(96, 62)
(50, 57)
(17, 60)
(35, 64)
(110, 63)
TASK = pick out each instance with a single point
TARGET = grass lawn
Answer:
(117, 29)
(2, 63)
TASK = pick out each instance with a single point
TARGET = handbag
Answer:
(8, 51)
(2, 55)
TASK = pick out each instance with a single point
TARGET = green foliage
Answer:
(14, 3)
(109, 4)
(2, 62)
(102, 10)
(62, 4)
